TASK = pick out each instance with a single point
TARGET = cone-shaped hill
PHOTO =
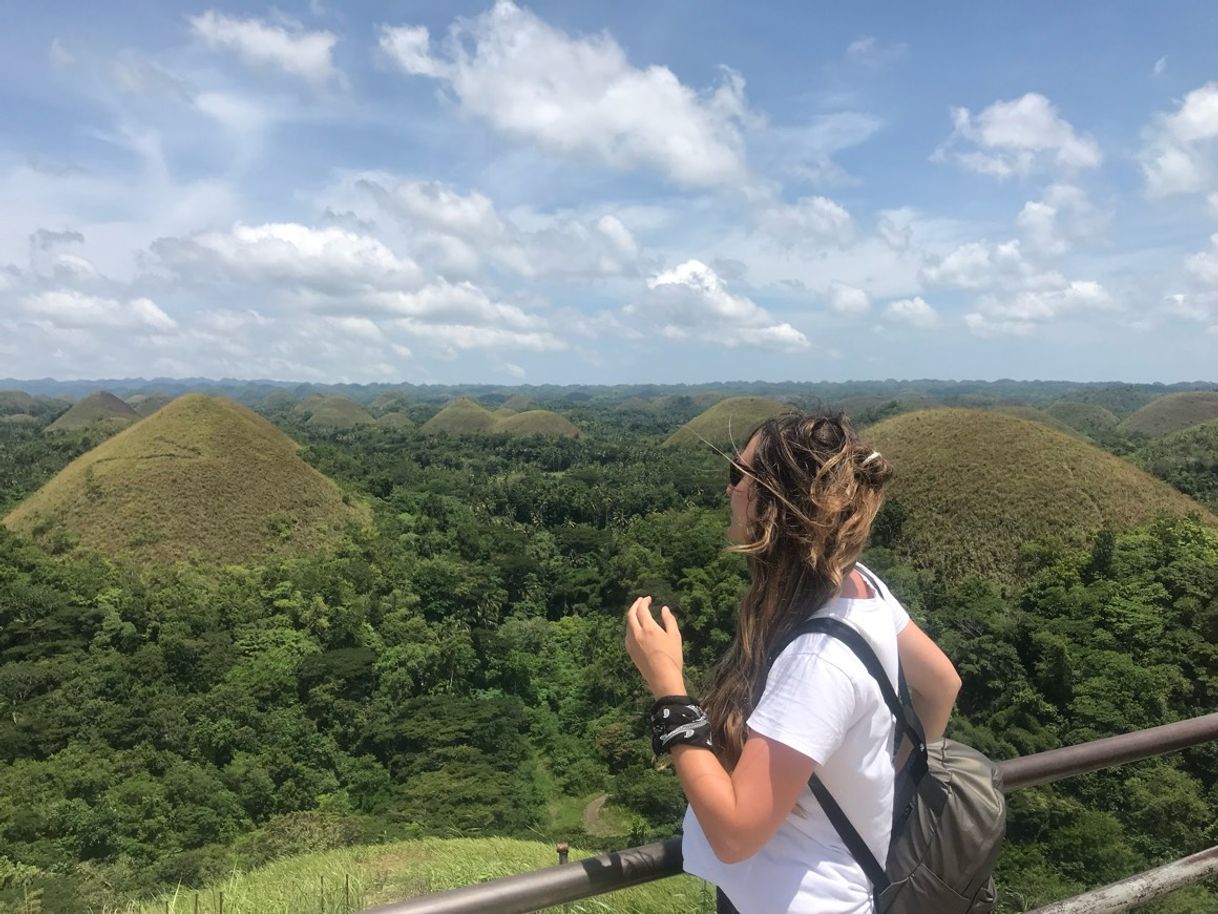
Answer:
(337, 412)
(537, 422)
(727, 422)
(1032, 414)
(100, 407)
(203, 478)
(461, 417)
(15, 401)
(1088, 418)
(1173, 413)
(971, 486)
(147, 405)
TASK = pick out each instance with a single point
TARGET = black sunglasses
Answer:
(734, 473)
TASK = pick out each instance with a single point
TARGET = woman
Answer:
(804, 492)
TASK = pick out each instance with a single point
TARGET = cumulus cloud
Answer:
(1016, 138)
(870, 51)
(580, 96)
(297, 52)
(1204, 264)
(913, 311)
(327, 260)
(1063, 216)
(691, 302)
(845, 299)
(462, 232)
(809, 220)
(976, 265)
(1020, 313)
(1180, 149)
(69, 309)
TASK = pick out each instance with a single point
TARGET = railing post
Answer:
(563, 850)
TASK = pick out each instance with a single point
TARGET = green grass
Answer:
(350, 879)
(975, 485)
(97, 407)
(203, 478)
(1173, 413)
(1087, 418)
(1032, 414)
(338, 412)
(537, 422)
(15, 401)
(395, 420)
(461, 417)
(728, 422)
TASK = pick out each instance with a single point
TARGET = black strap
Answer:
(906, 721)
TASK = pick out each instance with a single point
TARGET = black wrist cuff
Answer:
(677, 719)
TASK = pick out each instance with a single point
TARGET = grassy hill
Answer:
(337, 412)
(203, 478)
(1032, 414)
(354, 878)
(1187, 459)
(461, 416)
(100, 407)
(1173, 412)
(972, 486)
(15, 401)
(395, 420)
(1088, 418)
(148, 404)
(537, 422)
(728, 422)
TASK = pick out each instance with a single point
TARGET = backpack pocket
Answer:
(921, 892)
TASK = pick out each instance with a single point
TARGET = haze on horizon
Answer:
(549, 193)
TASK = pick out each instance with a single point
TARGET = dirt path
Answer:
(592, 814)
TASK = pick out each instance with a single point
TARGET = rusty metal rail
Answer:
(569, 882)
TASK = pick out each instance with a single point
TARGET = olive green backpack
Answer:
(949, 811)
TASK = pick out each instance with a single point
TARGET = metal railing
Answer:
(569, 882)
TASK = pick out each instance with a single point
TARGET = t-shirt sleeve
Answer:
(809, 701)
(900, 615)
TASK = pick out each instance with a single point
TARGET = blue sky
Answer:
(608, 193)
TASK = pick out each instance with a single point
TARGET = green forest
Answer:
(453, 664)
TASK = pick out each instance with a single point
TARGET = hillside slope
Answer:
(973, 486)
(1173, 413)
(100, 407)
(728, 422)
(203, 478)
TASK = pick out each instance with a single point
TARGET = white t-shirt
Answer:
(820, 700)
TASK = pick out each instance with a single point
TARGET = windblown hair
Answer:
(816, 488)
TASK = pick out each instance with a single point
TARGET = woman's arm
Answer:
(932, 679)
(741, 811)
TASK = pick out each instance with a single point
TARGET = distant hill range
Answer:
(972, 486)
(202, 478)
(1173, 413)
(728, 422)
(464, 416)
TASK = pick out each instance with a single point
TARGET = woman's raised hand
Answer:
(655, 650)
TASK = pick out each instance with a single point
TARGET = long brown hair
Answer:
(816, 488)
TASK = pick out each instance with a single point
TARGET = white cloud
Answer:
(297, 52)
(1204, 264)
(977, 265)
(1160, 66)
(895, 227)
(1021, 312)
(805, 152)
(691, 302)
(328, 260)
(807, 221)
(580, 96)
(1180, 150)
(461, 233)
(447, 339)
(69, 309)
(846, 299)
(1060, 218)
(913, 311)
(1017, 137)
(871, 52)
